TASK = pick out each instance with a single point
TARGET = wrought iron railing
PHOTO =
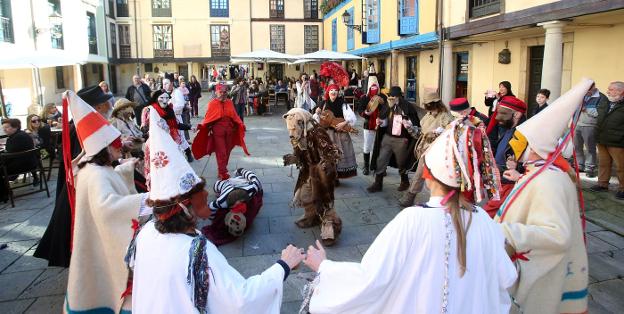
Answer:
(479, 8)
(125, 51)
(163, 53)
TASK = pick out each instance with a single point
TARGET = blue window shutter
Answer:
(334, 35)
(350, 41)
(374, 21)
(409, 17)
(219, 8)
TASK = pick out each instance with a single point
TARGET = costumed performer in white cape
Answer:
(106, 206)
(541, 217)
(445, 256)
(176, 269)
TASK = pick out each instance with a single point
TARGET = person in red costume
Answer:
(220, 131)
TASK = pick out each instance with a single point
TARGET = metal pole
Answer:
(136, 37)
(4, 111)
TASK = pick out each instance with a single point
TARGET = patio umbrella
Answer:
(268, 56)
(326, 55)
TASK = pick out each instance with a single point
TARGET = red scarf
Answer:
(172, 123)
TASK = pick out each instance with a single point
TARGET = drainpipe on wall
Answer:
(251, 65)
(440, 31)
(136, 38)
(35, 70)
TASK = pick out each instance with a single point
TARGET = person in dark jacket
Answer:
(55, 245)
(138, 93)
(398, 125)
(17, 141)
(610, 139)
(194, 95)
(542, 101)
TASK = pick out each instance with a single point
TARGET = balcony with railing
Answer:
(163, 53)
(161, 12)
(6, 30)
(125, 51)
(479, 8)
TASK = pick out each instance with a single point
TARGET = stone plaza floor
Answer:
(29, 286)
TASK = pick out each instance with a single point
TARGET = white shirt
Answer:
(159, 283)
(403, 271)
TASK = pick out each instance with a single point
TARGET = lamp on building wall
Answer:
(346, 18)
(55, 21)
(430, 58)
(504, 57)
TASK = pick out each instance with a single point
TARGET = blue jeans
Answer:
(240, 110)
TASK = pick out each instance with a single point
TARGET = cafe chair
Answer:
(7, 158)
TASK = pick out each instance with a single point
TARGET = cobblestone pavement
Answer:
(29, 286)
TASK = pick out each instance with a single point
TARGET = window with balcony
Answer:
(124, 41)
(163, 41)
(219, 8)
(161, 8)
(372, 21)
(408, 21)
(220, 40)
(276, 8)
(113, 40)
(311, 37)
(56, 31)
(479, 8)
(6, 22)
(278, 40)
(92, 34)
(122, 8)
(310, 9)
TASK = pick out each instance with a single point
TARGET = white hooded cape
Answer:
(403, 270)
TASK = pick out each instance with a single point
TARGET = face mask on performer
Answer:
(163, 100)
(333, 94)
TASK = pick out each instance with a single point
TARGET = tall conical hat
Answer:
(170, 173)
(543, 131)
(372, 78)
(94, 131)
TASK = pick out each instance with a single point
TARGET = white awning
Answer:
(263, 56)
(39, 59)
(326, 55)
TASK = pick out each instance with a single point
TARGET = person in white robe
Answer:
(541, 218)
(106, 203)
(176, 269)
(445, 256)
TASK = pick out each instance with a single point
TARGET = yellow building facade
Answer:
(533, 44)
(192, 37)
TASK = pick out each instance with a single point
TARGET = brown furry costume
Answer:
(315, 156)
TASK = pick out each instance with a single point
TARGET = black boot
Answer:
(404, 182)
(377, 185)
(366, 170)
(189, 155)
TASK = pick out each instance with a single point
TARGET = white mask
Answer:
(163, 100)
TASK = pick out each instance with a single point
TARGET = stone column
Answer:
(189, 67)
(394, 68)
(447, 72)
(553, 57)
(78, 83)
